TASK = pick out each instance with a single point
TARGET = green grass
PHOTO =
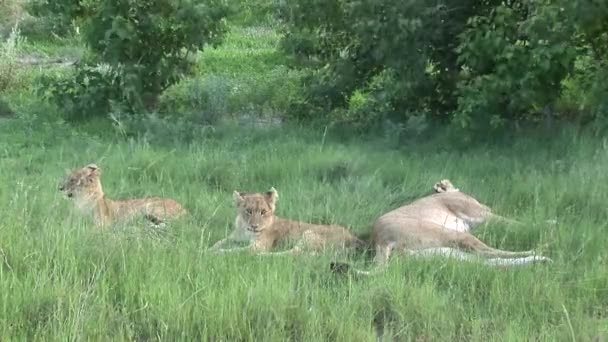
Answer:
(63, 279)
(66, 48)
(245, 51)
(247, 74)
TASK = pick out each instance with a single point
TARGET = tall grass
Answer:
(8, 59)
(62, 279)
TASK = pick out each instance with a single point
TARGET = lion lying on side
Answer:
(257, 224)
(439, 224)
(83, 186)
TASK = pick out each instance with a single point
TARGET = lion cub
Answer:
(84, 187)
(257, 224)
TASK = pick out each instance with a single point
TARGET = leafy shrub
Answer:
(352, 44)
(59, 15)
(147, 45)
(270, 94)
(369, 106)
(505, 76)
(584, 93)
(478, 65)
(89, 90)
(151, 39)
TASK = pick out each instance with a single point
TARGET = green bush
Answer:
(352, 44)
(479, 65)
(584, 94)
(513, 63)
(87, 91)
(59, 15)
(147, 45)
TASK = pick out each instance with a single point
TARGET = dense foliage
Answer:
(478, 64)
(61, 15)
(145, 43)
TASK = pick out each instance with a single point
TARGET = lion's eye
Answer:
(263, 211)
(248, 211)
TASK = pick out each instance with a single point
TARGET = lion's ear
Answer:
(438, 188)
(445, 185)
(448, 186)
(238, 196)
(272, 196)
(93, 169)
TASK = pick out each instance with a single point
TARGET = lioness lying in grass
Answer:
(83, 186)
(439, 224)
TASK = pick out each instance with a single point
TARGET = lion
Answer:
(83, 186)
(257, 224)
(439, 224)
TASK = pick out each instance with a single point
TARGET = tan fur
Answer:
(257, 224)
(440, 224)
(83, 186)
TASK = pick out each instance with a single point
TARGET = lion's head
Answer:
(256, 211)
(83, 183)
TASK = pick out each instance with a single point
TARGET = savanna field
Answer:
(61, 278)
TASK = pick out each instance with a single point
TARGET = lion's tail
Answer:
(361, 244)
(343, 268)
